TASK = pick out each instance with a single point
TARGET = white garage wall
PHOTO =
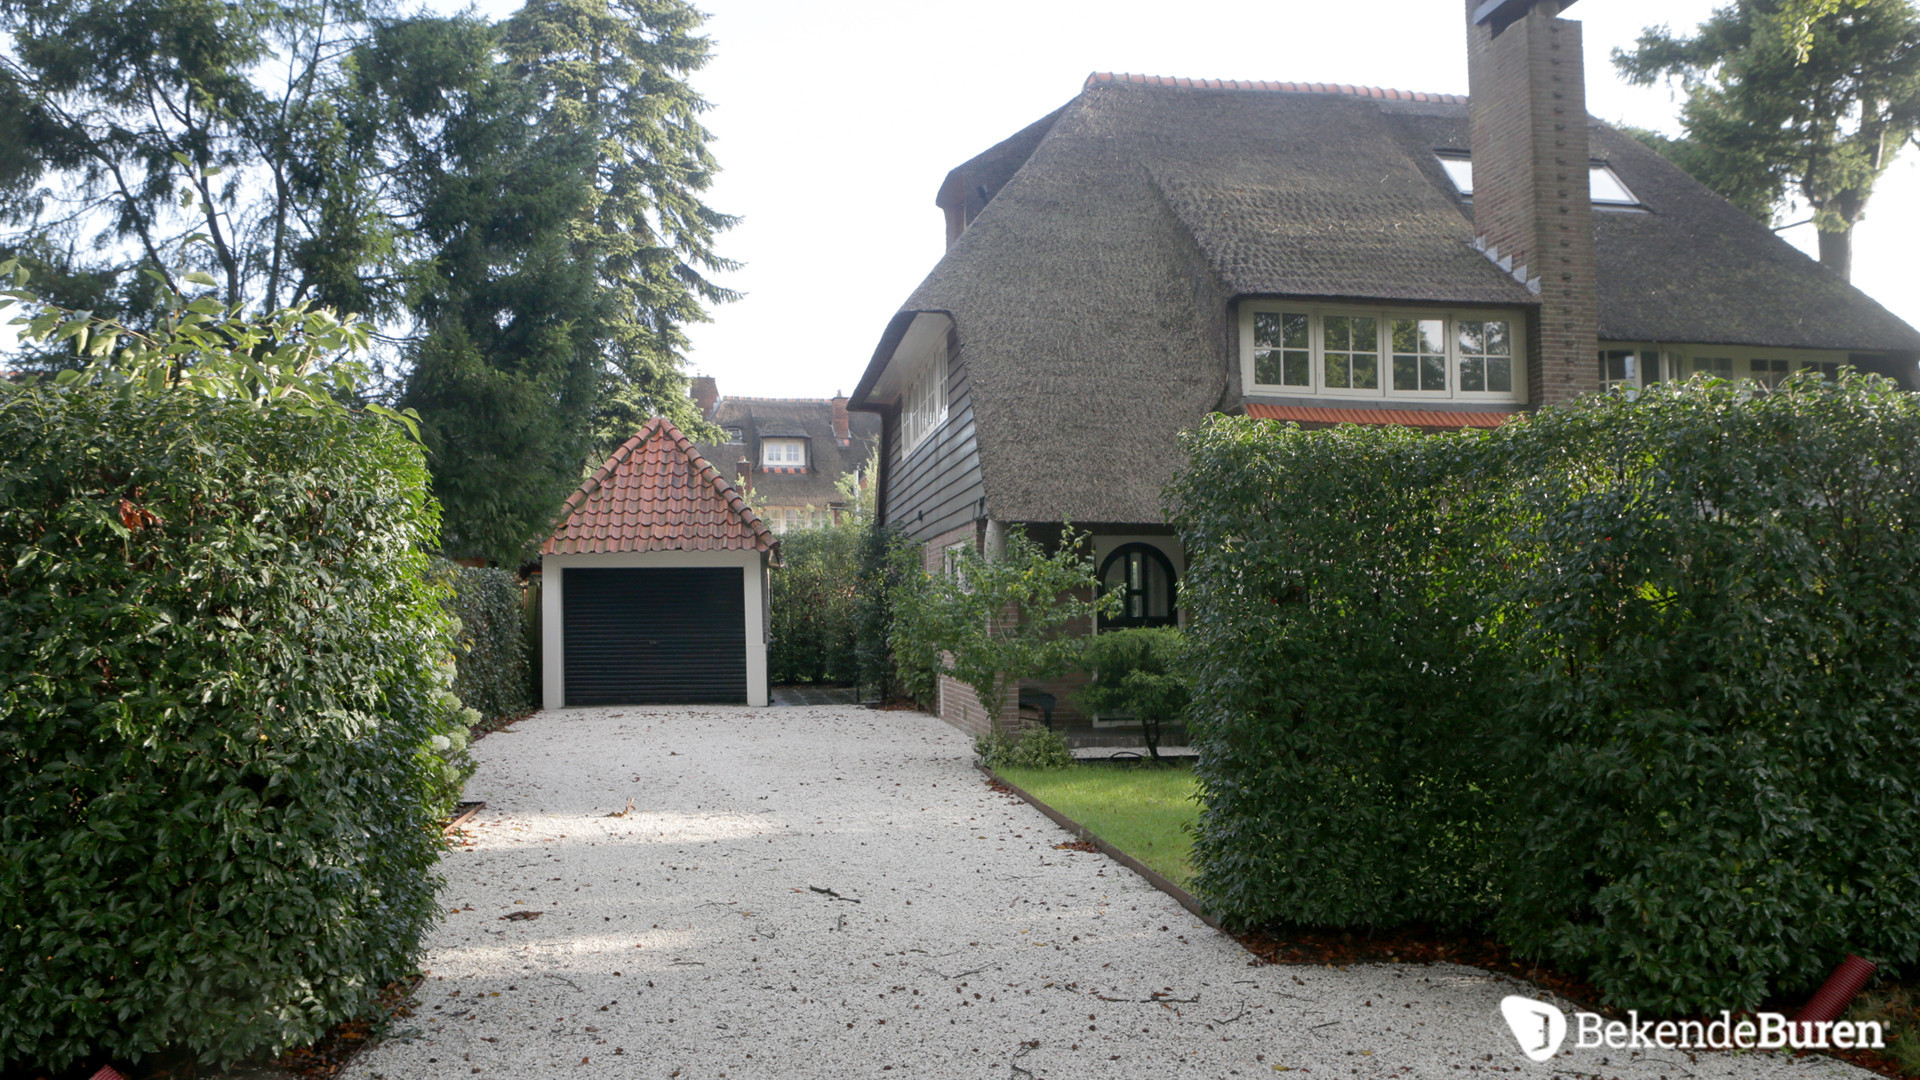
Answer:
(553, 578)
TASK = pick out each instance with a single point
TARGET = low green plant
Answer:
(1034, 748)
(1137, 673)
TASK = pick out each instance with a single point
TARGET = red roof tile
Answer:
(656, 493)
(1420, 418)
(1099, 77)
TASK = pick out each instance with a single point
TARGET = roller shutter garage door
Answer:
(654, 636)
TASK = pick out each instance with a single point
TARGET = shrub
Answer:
(221, 686)
(1138, 673)
(911, 618)
(889, 562)
(491, 642)
(1634, 681)
(991, 621)
(815, 606)
(1035, 748)
(1332, 661)
(1713, 721)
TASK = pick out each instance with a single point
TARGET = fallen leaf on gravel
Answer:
(1077, 845)
(521, 916)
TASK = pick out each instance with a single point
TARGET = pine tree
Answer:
(1792, 102)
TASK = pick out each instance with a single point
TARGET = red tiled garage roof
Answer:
(656, 493)
(1420, 418)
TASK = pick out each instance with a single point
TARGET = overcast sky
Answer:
(836, 120)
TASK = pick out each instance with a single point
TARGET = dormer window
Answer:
(783, 453)
(736, 436)
(1604, 186)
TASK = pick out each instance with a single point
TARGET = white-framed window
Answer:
(1636, 365)
(783, 453)
(1604, 186)
(1350, 351)
(923, 407)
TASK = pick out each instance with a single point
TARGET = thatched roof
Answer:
(1090, 297)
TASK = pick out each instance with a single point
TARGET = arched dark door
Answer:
(1143, 577)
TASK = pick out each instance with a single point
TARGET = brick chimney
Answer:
(840, 430)
(743, 476)
(1531, 207)
(705, 393)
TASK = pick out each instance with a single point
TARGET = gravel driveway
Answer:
(834, 892)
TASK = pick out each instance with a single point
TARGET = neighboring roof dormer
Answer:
(656, 493)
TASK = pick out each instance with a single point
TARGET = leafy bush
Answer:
(222, 683)
(1138, 673)
(815, 606)
(889, 562)
(991, 621)
(1035, 748)
(1332, 659)
(491, 642)
(1714, 719)
(1633, 681)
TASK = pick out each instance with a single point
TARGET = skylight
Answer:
(1604, 186)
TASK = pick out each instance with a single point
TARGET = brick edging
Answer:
(1153, 877)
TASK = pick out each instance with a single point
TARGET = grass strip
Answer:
(1145, 812)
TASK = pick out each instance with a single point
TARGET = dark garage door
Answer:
(642, 637)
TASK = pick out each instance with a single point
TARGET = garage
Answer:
(654, 635)
(654, 584)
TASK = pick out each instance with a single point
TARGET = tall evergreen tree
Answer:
(552, 167)
(1792, 102)
(615, 72)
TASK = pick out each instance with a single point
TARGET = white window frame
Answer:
(798, 459)
(1517, 334)
(923, 404)
(1676, 361)
(1459, 170)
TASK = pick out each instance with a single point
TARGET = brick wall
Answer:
(960, 706)
(1530, 195)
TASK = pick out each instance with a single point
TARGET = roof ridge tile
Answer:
(1099, 78)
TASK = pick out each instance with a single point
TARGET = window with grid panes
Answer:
(1718, 367)
(1350, 348)
(1486, 356)
(1419, 354)
(1282, 348)
(1768, 372)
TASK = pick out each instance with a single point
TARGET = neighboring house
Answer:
(1160, 249)
(654, 585)
(788, 454)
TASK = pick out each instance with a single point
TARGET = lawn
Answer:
(1144, 812)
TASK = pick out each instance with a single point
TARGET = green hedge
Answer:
(815, 607)
(491, 642)
(1634, 682)
(221, 690)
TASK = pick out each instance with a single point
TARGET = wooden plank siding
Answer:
(937, 488)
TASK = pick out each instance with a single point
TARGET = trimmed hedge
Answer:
(1634, 683)
(221, 690)
(491, 646)
(815, 606)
